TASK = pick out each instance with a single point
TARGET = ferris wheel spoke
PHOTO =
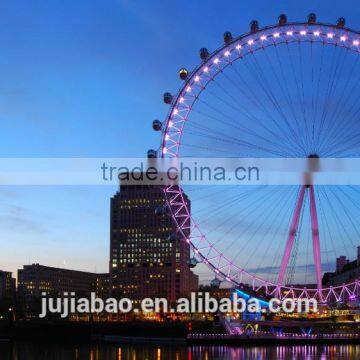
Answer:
(249, 207)
(218, 210)
(284, 212)
(327, 224)
(210, 149)
(326, 233)
(346, 211)
(317, 94)
(278, 149)
(342, 136)
(237, 107)
(351, 198)
(254, 98)
(212, 212)
(259, 77)
(296, 81)
(262, 82)
(216, 192)
(302, 98)
(349, 146)
(340, 145)
(285, 90)
(342, 104)
(342, 230)
(202, 127)
(327, 97)
(235, 152)
(241, 111)
(312, 141)
(250, 94)
(347, 131)
(226, 139)
(218, 227)
(332, 85)
(355, 188)
(269, 198)
(195, 188)
(252, 206)
(268, 218)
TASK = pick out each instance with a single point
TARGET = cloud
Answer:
(300, 269)
(18, 218)
(9, 194)
(21, 224)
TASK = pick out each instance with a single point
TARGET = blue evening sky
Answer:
(85, 78)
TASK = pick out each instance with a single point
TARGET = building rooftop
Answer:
(350, 266)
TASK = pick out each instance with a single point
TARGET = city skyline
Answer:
(53, 118)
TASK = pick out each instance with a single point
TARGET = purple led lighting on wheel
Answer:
(174, 129)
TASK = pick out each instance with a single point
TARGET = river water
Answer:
(28, 351)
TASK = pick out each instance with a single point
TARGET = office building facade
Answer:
(148, 258)
(7, 285)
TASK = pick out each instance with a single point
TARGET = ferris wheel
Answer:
(290, 90)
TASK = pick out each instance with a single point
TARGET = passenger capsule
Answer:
(183, 73)
(228, 37)
(204, 54)
(160, 210)
(192, 262)
(152, 154)
(172, 238)
(312, 18)
(282, 19)
(341, 22)
(215, 283)
(157, 125)
(254, 26)
(168, 98)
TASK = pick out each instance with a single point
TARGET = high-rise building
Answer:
(101, 285)
(147, 256)
(341, 261)
(7, 285)
(35, 279)
(346, 271)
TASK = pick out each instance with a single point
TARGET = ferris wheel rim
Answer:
(271, 288)
(351, 43)
(171, 140)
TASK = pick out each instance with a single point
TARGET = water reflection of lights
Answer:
(299, 352)
(183, 352)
